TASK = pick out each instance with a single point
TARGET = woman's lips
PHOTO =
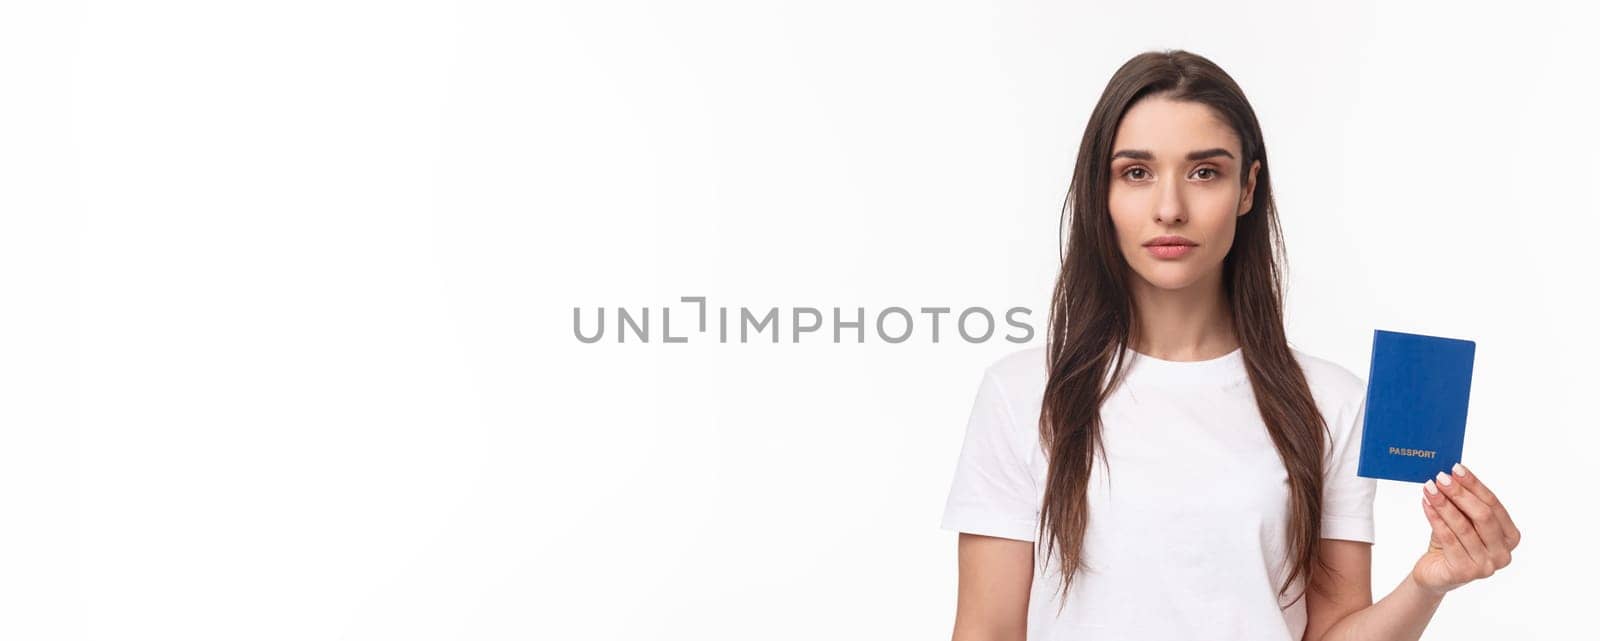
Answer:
(1169, 251)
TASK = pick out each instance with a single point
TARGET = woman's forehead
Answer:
(1167, 128)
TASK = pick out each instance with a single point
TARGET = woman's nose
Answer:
(1170, 210)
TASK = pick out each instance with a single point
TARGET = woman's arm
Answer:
(1472, 538)
(992, 598)
(1347, 613)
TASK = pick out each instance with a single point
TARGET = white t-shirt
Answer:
(1188, 538)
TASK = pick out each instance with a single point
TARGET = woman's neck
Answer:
(1190, 324)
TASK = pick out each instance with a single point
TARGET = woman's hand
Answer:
(1472, 534)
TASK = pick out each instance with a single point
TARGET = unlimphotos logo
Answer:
(890, 324)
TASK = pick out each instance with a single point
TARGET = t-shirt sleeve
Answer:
(1347, 498)
(993, 492)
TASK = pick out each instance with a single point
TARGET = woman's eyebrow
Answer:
(1141, 154)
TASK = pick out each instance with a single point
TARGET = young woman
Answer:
(1167, 466)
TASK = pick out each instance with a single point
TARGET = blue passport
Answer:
(1416, 411)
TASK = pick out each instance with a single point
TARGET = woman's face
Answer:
(1175, 171)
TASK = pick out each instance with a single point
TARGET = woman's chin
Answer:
(1172, 278)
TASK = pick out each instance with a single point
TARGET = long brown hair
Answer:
(1092, 316)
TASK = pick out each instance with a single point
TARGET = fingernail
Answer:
(1431, 489)
(1460, 471)
(1444, 479)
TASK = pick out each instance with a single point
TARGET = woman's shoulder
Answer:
(1329, 381)
(1017, 366)
(1019, 374)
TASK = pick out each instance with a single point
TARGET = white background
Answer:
(287, 289)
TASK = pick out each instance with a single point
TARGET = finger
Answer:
(1483, 519)
(1459, 523)
(1471, 481)
(1446, 538)
(1442, 536)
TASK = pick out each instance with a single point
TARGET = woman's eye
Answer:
(1139, 173)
